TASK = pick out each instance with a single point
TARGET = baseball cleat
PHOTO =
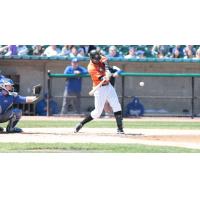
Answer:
(1, 130)
(120, 131)
(13, 130)
(78, 127)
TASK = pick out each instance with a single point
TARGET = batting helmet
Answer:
(95, 55)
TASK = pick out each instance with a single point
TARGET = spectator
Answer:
(160, 50)
(113, 53)
(147, 50)
(189, 48)
(88, 48)
(65, 50)
(160, 54)
(134, 108)
(41, 107)
(3, 49)
(131, 53)
(189, 51)
(140, 54)
(81, 53)
(12, 50)
(74, 52)
(51, 50)
(188, 54)
(99, 49)
(138, 51)
(38, 50)
(177, 52)
(73, 86)
(22, 50)
(197, 56)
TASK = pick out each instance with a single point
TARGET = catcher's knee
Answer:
(17, 113)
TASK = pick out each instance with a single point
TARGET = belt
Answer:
(105, 84)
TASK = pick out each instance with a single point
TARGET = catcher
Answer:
(7, 99)
(98, 68)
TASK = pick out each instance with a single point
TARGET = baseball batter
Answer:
(98, 69)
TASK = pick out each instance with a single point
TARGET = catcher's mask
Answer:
(95, 56)
(7, 82)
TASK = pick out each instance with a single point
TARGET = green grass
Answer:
(111, 124)
(91, 148)
(103, 148)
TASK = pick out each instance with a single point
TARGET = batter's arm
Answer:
(96, 87)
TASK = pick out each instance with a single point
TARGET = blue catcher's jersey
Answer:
(6, 101)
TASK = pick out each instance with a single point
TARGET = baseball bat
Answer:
(96, 87)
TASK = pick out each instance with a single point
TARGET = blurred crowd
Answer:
(111, 51)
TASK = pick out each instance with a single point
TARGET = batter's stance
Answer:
(98, 69)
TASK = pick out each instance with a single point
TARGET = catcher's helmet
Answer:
(95, 55)
(4, 82)
(8, 81)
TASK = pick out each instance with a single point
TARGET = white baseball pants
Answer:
(100, 96)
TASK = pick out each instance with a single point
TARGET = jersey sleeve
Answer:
(19, 99)
(117, 70)
(68, 70)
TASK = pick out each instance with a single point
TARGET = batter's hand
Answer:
(115, 75)
(108, 75)
(105, 78)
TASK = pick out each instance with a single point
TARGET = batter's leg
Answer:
(119, 121)
(99, 101)
(80, 125)
(114, 102)
(100, 97)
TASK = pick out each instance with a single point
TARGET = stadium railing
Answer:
(124, 74)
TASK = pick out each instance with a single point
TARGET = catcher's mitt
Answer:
(37, 89)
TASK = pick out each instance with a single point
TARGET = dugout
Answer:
(161, 96)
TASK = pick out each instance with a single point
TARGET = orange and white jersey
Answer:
(97, 70)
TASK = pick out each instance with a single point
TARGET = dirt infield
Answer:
(90, 135)
(163, 137)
